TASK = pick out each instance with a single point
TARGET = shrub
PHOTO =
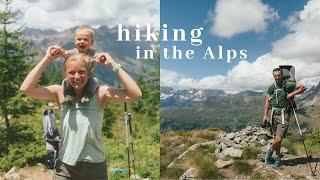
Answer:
(208, 148)
(242, 167)
(173, 173)
(204, 163)
(250, 152)
(207, 170)
(287, 143)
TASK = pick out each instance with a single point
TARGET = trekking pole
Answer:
(313, 172)
(130, 150)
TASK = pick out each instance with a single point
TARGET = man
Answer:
(280, 97)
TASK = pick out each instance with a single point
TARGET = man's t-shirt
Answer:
(278, 93)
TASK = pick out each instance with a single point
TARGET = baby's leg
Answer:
(92, 85)
(67, 88)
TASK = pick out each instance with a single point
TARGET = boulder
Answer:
(190, 173)
(231, 135)
(223, 146)
(232, 152)
(237, 140)
(220, 156)
(263, 142)
(237, 146)
(221, 164)
(284, 150)
(244, 144)
(217, 150)
(255, 137)
(248, 128)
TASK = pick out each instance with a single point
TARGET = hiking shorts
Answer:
(82, 170)
(280, 129)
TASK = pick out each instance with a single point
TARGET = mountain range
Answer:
(105, 40)
(204, 108)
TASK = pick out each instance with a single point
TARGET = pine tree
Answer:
(150, 86)
(13, 68)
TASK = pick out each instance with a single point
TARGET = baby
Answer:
(83, 41)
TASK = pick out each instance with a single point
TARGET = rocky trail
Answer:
(38, 172)
(294, 167)
(231, 147)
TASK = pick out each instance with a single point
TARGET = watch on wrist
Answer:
(116, 67)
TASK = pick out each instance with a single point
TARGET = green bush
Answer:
(287, 143)
(208, 148)
(172, 173)
(207, 170)
(28, 147)
(204, 163)
(250, 152)
(242, 167)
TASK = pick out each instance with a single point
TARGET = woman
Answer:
(81, 154)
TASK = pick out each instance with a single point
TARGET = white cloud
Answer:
(299, 48)
(61, 14)
(233, 17)
(255, 76)
(303, 41)
(169, 78)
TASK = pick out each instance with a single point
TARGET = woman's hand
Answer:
(106, 59)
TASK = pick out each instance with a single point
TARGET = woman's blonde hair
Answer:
(87, 60)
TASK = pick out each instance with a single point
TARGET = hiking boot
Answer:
(268, 157)
(277, 164)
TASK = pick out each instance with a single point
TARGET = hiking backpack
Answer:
(288, 75)
(51, 137)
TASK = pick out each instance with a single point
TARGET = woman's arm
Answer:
(29, 86)
(131, 90)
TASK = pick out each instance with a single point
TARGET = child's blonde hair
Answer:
(85, 28)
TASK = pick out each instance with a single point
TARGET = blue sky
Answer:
(273, 32)
(189, 14)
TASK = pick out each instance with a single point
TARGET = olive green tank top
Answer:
(81, 132)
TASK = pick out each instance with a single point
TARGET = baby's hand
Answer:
(105, 58)
(60, 52)
(54, 52)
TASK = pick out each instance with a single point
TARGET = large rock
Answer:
(221, 156)
(223, 146)
(237, 146)
(248, 128)
(284, 150)
(231, 135)
(217, 150)
(237, 140)
(255, 137)
(226, 141)
(244, 144)
(221, 164)
(190, 173)
(232, 152)
(264, 132)
(263, 142)
(262, 137)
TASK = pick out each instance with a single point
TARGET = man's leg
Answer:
(281, 132)
(275, 142)
(276, 145)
